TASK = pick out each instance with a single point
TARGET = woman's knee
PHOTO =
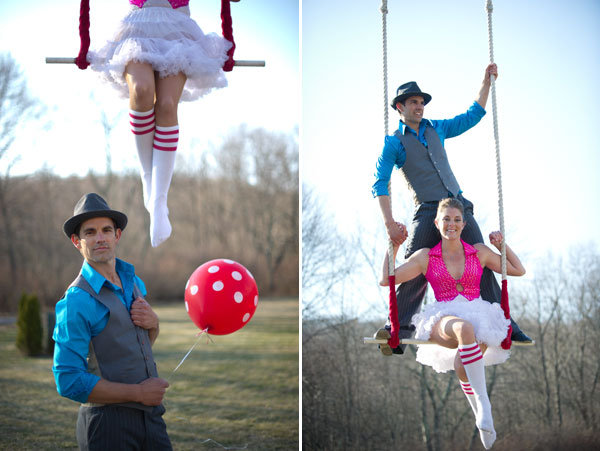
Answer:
(463, 329)
(141, 91)
(166, 109)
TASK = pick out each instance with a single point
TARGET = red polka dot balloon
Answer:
(221, 296)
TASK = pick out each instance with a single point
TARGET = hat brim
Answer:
(71, 224)
(401, 97)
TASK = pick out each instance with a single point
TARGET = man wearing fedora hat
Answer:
(417, 149)
(104, 334)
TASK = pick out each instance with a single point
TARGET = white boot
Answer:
(163, 163)
(472, 360)
(142, 126)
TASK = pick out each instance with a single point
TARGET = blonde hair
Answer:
(451, 202)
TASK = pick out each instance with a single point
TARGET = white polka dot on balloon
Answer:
(187, 307)
(250, 274)
(238, 297)
(228, 261)
(213, 269)
(246, 317)
(194, 289)
(187, 283)
(255, 300)
(218, 285)
(236, 275)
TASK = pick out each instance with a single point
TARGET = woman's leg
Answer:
(464, 380)
(140, 79)
(452, 332)
(166, 137)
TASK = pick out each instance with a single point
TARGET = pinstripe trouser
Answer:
(113, 427)
(409, 295)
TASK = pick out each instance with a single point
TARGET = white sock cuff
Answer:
(141, 122)
(470, 353)
(167, 129)
(166, 138)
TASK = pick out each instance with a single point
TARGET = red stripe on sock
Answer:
(141, 118)
(162, 132)
(466, 362)
(166, 149)
(466, 356)
(471, 348)
(140, 125)
(164, 140)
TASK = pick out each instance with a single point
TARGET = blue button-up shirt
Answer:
(79, 317)
(394, 154)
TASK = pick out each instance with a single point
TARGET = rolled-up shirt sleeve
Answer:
(449, 128)
(72, 335)
(391, 155)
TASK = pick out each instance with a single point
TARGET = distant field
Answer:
(241, 390)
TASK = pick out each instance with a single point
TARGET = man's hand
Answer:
(142, 314)
(492, 69)
(397, 232)
(152, 391)
(484, 91)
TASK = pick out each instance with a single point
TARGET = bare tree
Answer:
(326, 257)
(16, 106)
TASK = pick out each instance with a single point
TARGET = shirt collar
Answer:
(424, 123)
(96, 280)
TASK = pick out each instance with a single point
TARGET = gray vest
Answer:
(426, 169)
(122, 351)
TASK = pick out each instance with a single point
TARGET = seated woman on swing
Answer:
(460, 318)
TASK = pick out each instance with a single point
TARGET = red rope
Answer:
(504, 304)
(226, 26)
(394, 341)
(84, 34)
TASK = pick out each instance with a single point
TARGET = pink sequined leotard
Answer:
(444, 285)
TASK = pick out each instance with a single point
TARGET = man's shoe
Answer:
(520, 337)
(384, 334)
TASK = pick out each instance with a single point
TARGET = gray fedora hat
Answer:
(408, 90)
(90, 206)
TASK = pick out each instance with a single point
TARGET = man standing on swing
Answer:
(417, 149)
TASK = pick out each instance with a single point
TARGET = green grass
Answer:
(240, 390)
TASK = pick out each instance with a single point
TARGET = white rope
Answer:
(490, 9)
(384, 11)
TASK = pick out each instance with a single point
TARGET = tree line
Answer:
(244, 207)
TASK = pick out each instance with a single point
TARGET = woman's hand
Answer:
(496, 239)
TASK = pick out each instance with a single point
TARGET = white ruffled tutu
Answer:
(487, 319)
(171, 42)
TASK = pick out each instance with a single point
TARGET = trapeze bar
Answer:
(412, 341)
(240, 63)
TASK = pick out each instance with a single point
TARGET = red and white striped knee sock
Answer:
(472, 360)
(142, 126)
(163, 163)
(468, 391)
